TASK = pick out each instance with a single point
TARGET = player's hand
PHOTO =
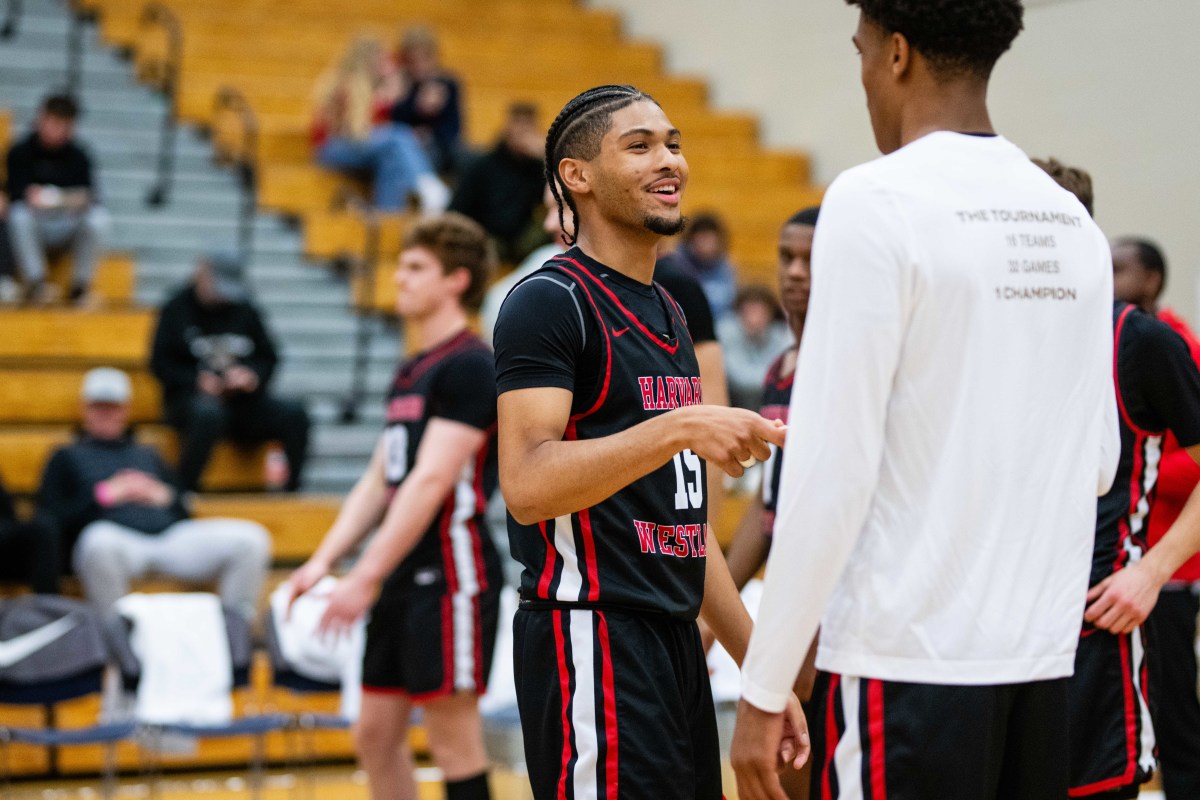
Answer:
(348, 601)
(794, 745)
(755, 752)
(729, 437)
(1123, 600)
(304, 579)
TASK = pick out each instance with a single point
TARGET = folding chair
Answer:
(52, 649)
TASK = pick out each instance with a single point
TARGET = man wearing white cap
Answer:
(114, 498)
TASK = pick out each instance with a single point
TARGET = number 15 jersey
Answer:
(622, 348)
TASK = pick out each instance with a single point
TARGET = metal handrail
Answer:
(232, 100)
(12, 16)
(364, 325)
(168, 82)
(79, 16)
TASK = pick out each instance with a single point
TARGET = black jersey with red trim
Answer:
(622, 348)
(453, 381)
(776, 399)
(1158, 390)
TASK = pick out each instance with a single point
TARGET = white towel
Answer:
(331, 659)
(183, 647)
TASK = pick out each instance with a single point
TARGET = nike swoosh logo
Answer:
(21, 647)
(616, 333)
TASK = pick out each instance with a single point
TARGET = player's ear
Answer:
(575, 175)
(899, 54)
(460, 280)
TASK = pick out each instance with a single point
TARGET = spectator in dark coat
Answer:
(430, 100)
(502, 189)
(214, 358)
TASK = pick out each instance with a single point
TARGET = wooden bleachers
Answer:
(504, 50)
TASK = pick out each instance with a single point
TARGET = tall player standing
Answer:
(603, 442)
(431, 570)
(952, 423)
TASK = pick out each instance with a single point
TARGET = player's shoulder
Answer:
(1144, 331)
(469, 353)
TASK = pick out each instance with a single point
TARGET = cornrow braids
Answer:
(576, 133)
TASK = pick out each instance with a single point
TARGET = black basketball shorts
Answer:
(1112, 738)
(615, 705)
(426, 642)
(886, 740)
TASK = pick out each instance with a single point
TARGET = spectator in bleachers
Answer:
(429, 99)
(29, 551)
(112, 501)
(502, 189)
(705, 251)
(214, 358)
(352, 133)
(752, 338)
(54, 202)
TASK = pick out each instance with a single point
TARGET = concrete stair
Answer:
(307, 305)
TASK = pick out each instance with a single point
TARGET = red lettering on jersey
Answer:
(645, 532)
(685, 392)
(703, 551)
(665, 532)
(406, 408)
(661, 403)
(681, 541)
(672, 393)
(647, 387)
(693, 535)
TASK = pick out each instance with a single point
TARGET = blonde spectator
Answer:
(352, 133)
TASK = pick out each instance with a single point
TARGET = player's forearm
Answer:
(722, 609)
(359, 513)
(1179, 543)
(555, 478)
(408, 517)
(748, 550)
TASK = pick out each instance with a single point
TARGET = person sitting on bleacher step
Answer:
(214, 358)
(115, 500)
(54, 203)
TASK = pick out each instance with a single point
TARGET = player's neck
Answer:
(630, 253)
(442, 325)
(954, 107)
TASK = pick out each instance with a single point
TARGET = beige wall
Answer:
(1110, 85)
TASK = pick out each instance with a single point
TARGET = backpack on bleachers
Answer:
(47, 642)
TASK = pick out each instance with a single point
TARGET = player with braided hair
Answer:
(603, 444)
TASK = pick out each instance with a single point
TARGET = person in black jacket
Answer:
(54, 203)
(502, 189)
(214, 359)
(430, 102)
(113, 504)
(29, 551)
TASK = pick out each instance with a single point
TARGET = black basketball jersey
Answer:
(776, 399)
(1158, 390)
(644, 547)
(453, 381)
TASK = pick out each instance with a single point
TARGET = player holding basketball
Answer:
(431, 571)
(952, 423)
(603, 442)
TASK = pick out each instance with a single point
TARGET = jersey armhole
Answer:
(601, 393)
(1121, 407)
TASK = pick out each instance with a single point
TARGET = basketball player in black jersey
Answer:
(603, 449)
(431, 571)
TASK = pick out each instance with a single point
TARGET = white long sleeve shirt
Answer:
(952, 421)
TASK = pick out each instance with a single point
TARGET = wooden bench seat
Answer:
(30, 395)
(110, 336)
